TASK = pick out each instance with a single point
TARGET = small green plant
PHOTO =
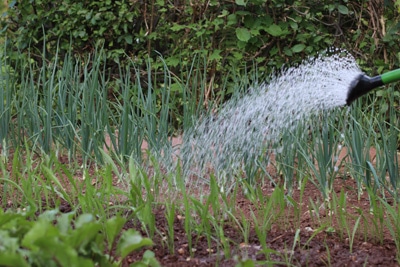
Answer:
(340, 210)
(57, 239)
(141, 199)
(270, 210)
(358, 140)
(393, 223)
(170, 216)
(318, 152)
(375, 223)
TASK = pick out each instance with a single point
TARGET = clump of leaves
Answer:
(232, 35)
(57, 239)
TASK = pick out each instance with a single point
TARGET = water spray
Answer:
(249, 127)
(364, 84)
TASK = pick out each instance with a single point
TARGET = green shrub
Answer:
(57, 239)
(231, 35)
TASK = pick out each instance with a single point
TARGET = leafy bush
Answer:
(273, 32)
(57, 239)
(230, 35)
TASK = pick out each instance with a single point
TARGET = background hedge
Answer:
(230, 34)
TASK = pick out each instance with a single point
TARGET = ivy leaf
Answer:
(232, 19)
(240, 2)
(288, 51)
(216, 54)
(224, 13)
(243, 34)
(176, 27)
(343, 9)
(275, 30)
(294, 25)
(172, 61)
(128, 39)
(298, 48)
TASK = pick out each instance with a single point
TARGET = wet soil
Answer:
(314, 246)
(315, 243)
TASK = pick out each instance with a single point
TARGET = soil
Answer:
(323, 249)
(313, 248)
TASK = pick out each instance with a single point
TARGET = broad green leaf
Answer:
(294, 25)
(216, 55)
(224, 13)
(172, 61)
(113, 227)
(149, 259)
(131, 240)
(80, 237)
(232, 19)
(59, 250)
(8, 217)
(255, 31)
(176, 27)
(39, 229)
(274, 30)
(240, 2)
(84, 219)
(243, 34)
(128, 39)
(15, 260)
(8, 243)
(49, 215)
(64, 222)
(288, 51)
(298, 48)
(237, 55)
(343, 9)
(176, 87)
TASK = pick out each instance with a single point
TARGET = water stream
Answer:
(252, 123)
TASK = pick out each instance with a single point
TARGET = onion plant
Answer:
(6, 105)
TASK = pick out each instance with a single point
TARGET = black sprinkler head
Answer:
(361, 86)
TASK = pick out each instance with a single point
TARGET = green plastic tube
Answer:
(391, 76)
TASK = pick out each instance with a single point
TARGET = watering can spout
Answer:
(364, 84)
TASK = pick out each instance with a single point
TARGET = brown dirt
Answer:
(322, 248)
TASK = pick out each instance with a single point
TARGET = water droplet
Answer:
(336, 169)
